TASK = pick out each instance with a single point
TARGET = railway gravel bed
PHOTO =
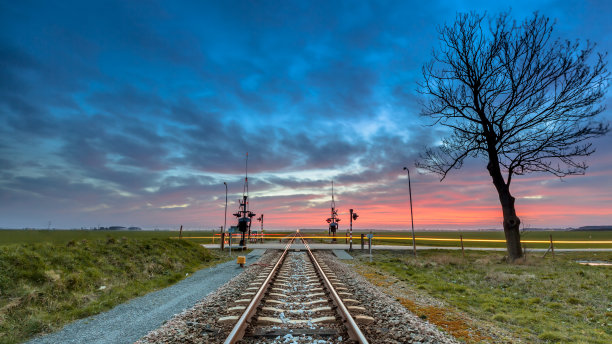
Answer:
(393, 323)
(296, 309)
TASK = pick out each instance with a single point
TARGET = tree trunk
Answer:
(511, 221)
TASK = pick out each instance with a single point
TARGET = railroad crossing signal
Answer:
(354, 216)
(333, 220)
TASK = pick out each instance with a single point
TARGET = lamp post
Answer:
(225, 220)
(411, 217)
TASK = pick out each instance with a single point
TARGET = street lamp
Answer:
(411, 217)
(225, 220)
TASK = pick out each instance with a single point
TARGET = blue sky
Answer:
(133, 113)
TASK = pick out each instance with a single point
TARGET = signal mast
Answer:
(333, 220)
(244, 215)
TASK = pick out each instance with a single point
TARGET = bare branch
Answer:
(512, 94)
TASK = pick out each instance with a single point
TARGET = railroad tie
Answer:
(236, 309)
(229, 318)
(296, 311)
(356, 308)
(272, 321)
(308, 280)
(313, 295)
(277, 294)
(350, 301)
(275, 301)
(314, 302)
(363, 319)
(276, 284)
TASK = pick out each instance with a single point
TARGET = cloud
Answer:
(113, 110)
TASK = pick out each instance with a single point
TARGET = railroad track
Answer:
(296, 297)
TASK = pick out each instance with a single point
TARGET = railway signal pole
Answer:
(333, 220)
(244, 215)
(354, 216)
(261, 219)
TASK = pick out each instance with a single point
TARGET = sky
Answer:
(135, 113)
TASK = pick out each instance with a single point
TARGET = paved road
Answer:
(394, 247)
(130, 321)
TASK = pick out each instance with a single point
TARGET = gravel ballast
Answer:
(128, 322)
(393, 324)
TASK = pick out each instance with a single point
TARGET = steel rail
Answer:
(242, 323)
(351, 326)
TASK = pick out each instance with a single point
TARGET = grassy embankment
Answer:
(43, 286)
(540, 300)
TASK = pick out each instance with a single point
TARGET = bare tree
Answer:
(510, 93)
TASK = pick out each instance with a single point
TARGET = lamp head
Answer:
(405, 168)
(226, 183)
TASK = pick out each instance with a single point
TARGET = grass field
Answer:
(44, 285)
(63, 236)
(535, 301)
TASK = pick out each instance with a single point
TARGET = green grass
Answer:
(539, 300)
(60, 236)
(43, 286)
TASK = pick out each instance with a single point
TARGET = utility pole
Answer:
(411, 217)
